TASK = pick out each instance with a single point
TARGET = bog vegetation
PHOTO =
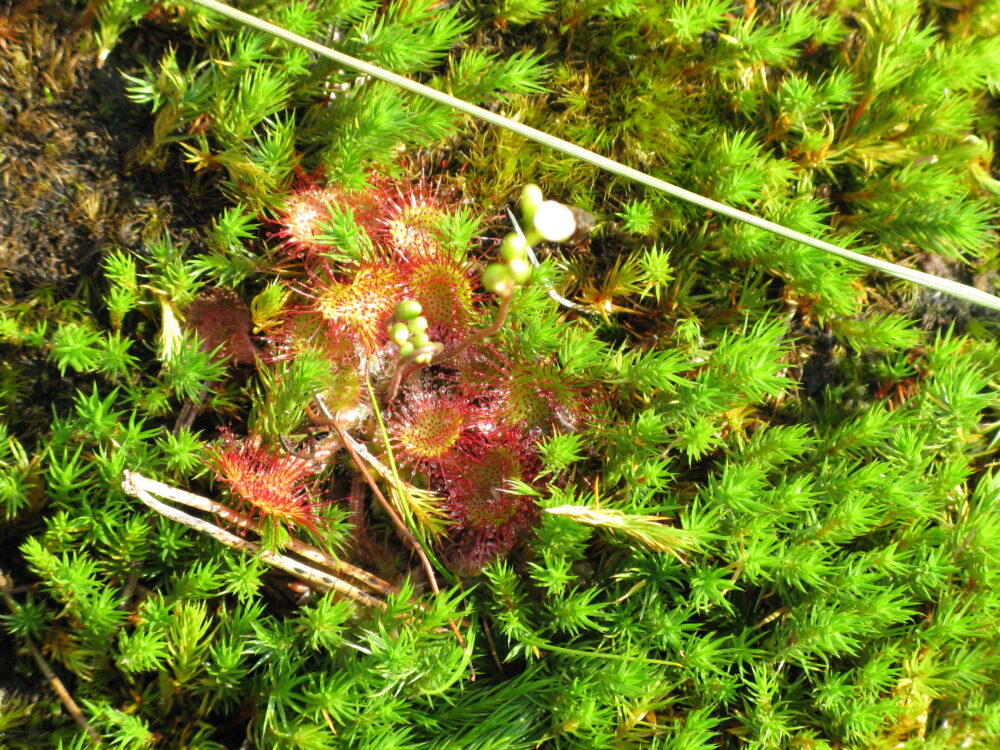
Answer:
(381, 428)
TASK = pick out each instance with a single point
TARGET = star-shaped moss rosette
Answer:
(267, 484)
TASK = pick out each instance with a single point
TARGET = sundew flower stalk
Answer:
(445, 290)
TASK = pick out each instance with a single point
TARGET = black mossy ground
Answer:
(72, 181)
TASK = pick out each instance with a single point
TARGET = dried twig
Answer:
(313, 554)
(189, 412)
(397, 521)
(352, 447)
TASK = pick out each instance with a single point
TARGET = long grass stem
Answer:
(962, 291)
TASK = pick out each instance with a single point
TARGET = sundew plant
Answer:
(414, 434)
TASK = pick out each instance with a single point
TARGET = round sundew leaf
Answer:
(408, 215)
(412, 231)
(431, 434)
(363, 305)
(529, 394)
(306, 212)
(444, 291)
(273, 486)
(485, 504)
(426, 426)
(477, 475)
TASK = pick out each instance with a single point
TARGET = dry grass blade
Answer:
(142, 488)
(962, 291)
(647, 530)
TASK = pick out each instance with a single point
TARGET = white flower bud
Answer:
(554, 221)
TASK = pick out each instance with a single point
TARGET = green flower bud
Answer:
(513, 247)
(418, 324)
(408, 309)
(406, 349)
(520, 269)
(497, 278)
(420, 340)
(399, 333)
(531, 199)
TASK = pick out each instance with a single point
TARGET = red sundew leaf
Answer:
(222, 321)
(306, 212)
(357, 306)
(529, 395)
(477, 473)
(425, 426)
(269, 485)
(445, 290)
(407, 214)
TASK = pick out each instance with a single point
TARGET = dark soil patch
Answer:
(76, 181)
(71, 183)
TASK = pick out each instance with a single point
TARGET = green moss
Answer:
(745, 497)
